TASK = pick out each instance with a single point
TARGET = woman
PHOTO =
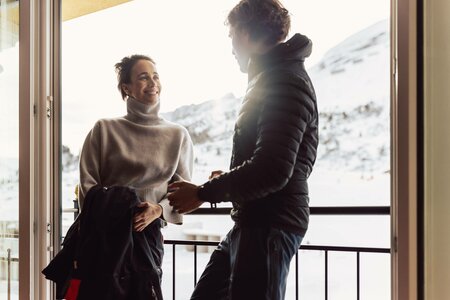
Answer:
(140, 150)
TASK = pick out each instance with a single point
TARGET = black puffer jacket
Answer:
(112, 261)
(274, 144)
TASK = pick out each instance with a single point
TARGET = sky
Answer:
(189, 41)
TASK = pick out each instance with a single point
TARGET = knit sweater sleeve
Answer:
(183, 172)
(186, 159)
(90, 163)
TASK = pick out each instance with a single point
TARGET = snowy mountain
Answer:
(353, 91)
(210, 121)
(356, 71)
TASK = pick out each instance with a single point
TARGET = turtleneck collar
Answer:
(142, 113)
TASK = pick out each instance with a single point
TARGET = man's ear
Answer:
(244, 33)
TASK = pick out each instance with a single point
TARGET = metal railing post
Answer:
(76, 208)
(9, 274)
(296, 275)
(357, 275)
(326, 274)
(195, 265)
(173, 271)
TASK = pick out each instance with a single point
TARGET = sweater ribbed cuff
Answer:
(169, 214)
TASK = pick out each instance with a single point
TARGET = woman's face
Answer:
(144, 86)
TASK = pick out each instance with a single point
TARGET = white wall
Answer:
(437, 148)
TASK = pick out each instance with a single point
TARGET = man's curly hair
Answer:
(265, 20)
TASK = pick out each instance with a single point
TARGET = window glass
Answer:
(203, 88)
(9, 150)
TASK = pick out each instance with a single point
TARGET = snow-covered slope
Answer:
(352, 86)
(354, 72)
(209, 121)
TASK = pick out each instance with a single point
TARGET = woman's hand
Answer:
(149, 212)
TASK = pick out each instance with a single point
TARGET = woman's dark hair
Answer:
(124, 67)
(265, 20)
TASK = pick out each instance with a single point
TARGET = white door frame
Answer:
(40, 26)
(37, 160)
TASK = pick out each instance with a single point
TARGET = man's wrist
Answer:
(200, 190)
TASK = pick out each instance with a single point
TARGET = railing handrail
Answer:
(9, 235)
(13, 259)
(302, 247)
(314, 210)
(345, 249)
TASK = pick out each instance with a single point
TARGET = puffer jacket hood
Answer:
(297, 48)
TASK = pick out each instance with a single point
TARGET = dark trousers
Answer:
(250, 264)
(150, 244)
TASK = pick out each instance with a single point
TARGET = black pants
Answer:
(250, 263)
(149, 243)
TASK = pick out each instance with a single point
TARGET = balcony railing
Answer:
(365, 210)
(8, 260)
(325, 249)
(361, 210)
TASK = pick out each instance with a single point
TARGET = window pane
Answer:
(203, 89)
(9, 151)
(350, 68)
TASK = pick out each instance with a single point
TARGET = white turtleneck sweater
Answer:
(140, 150)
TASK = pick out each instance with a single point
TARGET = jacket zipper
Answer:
(154, 293)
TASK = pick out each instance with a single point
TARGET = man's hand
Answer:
(149, 213)
(183, 196)
(215, 174)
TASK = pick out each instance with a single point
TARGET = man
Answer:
(274, 150)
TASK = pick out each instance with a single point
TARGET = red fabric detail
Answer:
(72, 291)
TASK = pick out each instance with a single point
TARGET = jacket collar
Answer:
(297, 48)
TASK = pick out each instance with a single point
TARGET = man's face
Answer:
(241, 47)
